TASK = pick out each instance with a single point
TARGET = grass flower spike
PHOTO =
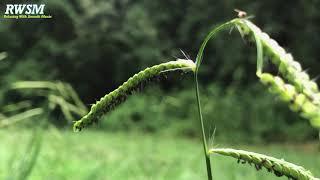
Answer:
(298, 101)
(109, 101)
(293, 87)
(287, 66)
(279, 167)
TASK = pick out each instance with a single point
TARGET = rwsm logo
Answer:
(25, 11)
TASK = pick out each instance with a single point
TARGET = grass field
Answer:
(103, 155)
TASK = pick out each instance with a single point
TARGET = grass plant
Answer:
(294, 87)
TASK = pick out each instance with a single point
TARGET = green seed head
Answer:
(266, 78)
(277, 166)
(315, 122)
(288, 92)
(109, 101)
(288, 68)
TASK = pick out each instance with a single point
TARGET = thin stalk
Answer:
(204, 139)
(212, 34)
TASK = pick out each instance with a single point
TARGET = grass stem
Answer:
(204, 139)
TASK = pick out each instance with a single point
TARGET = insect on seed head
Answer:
(241, 14)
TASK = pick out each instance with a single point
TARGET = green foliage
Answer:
(125, 155)
(107, 42)
(22, 165)
(3, 55)
(28, 114)
(175, 112)
(47, 97)
(118, 38)
(56, 95)
(128, 34)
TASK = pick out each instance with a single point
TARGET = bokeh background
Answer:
(97, 45)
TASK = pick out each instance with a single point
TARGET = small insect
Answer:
(263, 161)
(241, 14)
(258, 167)
(277, 173)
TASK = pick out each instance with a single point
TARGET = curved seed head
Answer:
(277, 166)
(289, 68)
(111, 100)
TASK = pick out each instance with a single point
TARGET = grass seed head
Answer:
(114, 98)
(278, 166)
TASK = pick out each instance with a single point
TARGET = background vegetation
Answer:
(96, 45)
(140, 156)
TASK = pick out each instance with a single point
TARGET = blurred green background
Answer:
(97, 45)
